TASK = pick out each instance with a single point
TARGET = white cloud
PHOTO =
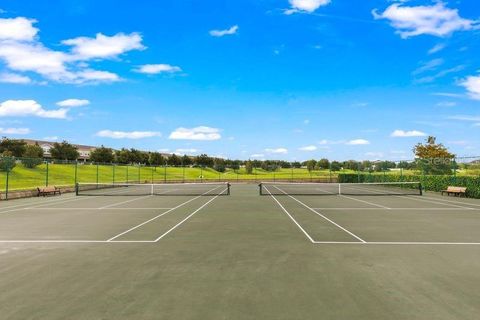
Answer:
(308, 148)
(69, 103)
(14, 131)
(21, 51)
(127, 134)
(374, 154)
(197, 133)
(221, 33)
(14, 78)
(465, 118)
(446, 104)
(357, 142)
(17, 29)
(436, 20)
(157, 68)
(428, 66)
(306, 6)
(472, 84)
(407, 134)
(437, 48)
(323, 142)
(185, 151)
(102, 46)
(95, 76)
(257, 155)
(440, 74)
(277, 150)
(24, 108)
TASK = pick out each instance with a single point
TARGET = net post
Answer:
(339, 188)
(260, 189)
(228, 188)
(77, 187)
(420, 188)
(151, 189)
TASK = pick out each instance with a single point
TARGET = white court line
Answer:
(321, 215)
(436, 202)
(75, 241)
(85, 208)
(417, 198)
(290, 216)
(158, 216)
(367, 202)
(405, 243)
(423, 243)
(393, 209)
(458, 202)
(188, 217)
(123, 202)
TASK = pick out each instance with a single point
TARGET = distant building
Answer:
(83, 150)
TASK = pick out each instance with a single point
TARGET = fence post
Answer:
(139, 174)
(46, 175)
(330, 171)
(76, 172)
(97, 174)
(113, 175)
(127, 172)
(165, 173)
(152, 173)
(7, 183)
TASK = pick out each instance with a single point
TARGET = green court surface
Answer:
(242, 256)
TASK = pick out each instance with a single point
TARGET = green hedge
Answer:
(429, 183)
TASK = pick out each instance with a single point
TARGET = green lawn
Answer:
(64, 175)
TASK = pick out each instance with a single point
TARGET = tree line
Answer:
(32, 155)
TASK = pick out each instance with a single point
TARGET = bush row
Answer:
(429, 182)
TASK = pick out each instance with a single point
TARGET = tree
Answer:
(311, 165)
(323, 164)
(336, 166)
(186, 161)
(249, 167)
(102, 155)
(219, 165)
(204, 161)
(15, 147)
(433, 157)
(122, 156)
(33, 156)
(156, 159)
(64, 151)
(174, 160)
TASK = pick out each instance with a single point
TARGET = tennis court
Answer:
(215, 251)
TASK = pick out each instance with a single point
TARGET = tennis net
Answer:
(354, 189)
(166, 189)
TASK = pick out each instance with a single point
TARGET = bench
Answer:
(456, 191)
(44, 191)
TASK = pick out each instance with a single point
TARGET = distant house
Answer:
(83, 150)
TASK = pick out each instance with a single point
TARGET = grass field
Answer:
(64, 175)
(242, 256)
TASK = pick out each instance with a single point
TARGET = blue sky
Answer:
(290, 80)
